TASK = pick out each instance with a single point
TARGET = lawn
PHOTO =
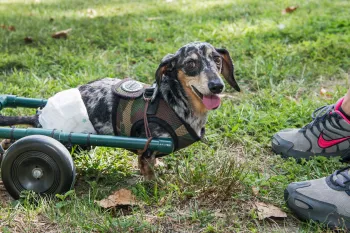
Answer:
(282, 62)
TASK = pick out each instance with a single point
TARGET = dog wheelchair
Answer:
(39, 161)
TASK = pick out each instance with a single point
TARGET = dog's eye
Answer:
(191, 64)
(217, 61)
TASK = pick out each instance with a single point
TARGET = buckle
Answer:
(150, 92)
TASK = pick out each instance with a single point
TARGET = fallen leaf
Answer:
(255, 190)
(149, 40)
(325, 93)
(120, 197)
(267, 210)
(91, 13)
(61, 34)
(289, 9)
(28, 40)
(11, 28)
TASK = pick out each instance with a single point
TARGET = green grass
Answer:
(208, 186)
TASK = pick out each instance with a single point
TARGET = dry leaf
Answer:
(28, 40)
(120, 197)
(289, 9)
(11, 28)
(255, 190)
(325, 93)
(267, 210)
(149, 40)
(91, 13)
(61, 34)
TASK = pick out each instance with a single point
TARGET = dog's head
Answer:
(197, 67)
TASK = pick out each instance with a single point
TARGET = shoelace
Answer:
(319, 114)
(341, 177)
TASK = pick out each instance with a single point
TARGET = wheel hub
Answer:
(37, 173)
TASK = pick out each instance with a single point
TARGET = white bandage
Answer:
(66, 111)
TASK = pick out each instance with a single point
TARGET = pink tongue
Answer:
(211, 101)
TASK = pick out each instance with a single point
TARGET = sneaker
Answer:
(327, 135)
(325, 200)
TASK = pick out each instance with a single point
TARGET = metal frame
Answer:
(163, 145)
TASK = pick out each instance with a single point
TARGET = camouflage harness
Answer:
(129, 112)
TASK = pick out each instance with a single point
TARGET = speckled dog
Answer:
(187, 84)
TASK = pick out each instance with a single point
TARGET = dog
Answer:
(188, 81)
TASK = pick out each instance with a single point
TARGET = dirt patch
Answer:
(5, 197)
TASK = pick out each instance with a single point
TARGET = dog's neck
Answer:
(173, 93)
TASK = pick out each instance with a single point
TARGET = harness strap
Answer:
(12, 138)
(146, 146)
(145, 119)
(148, 96)
(88, 143)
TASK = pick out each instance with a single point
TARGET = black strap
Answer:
(116, 100)
(12, 139)
(149, 91)
(88, 140)
(153, 107)
(52, 133)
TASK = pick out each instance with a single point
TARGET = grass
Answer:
(281, 63)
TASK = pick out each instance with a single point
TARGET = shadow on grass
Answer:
(137, 35)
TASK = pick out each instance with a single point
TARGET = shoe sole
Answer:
(331, 220)
(284, 148)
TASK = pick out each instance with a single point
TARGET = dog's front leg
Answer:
(146, 162)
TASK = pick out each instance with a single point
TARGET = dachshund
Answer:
(187, 83)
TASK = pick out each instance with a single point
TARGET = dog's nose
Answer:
(215, 87)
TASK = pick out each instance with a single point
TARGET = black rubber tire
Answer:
(39, 153)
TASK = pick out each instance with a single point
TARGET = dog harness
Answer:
(129, 111)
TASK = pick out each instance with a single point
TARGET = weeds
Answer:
(281, 63)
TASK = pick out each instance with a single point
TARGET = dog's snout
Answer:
(215, 87)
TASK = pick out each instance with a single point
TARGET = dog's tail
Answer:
(19, 120)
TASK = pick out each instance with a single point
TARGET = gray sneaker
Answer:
(327, 135)
(325, 200)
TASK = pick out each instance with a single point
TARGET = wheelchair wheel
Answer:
(38, 163)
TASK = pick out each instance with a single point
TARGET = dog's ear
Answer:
(227, 69)
(168, 63)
